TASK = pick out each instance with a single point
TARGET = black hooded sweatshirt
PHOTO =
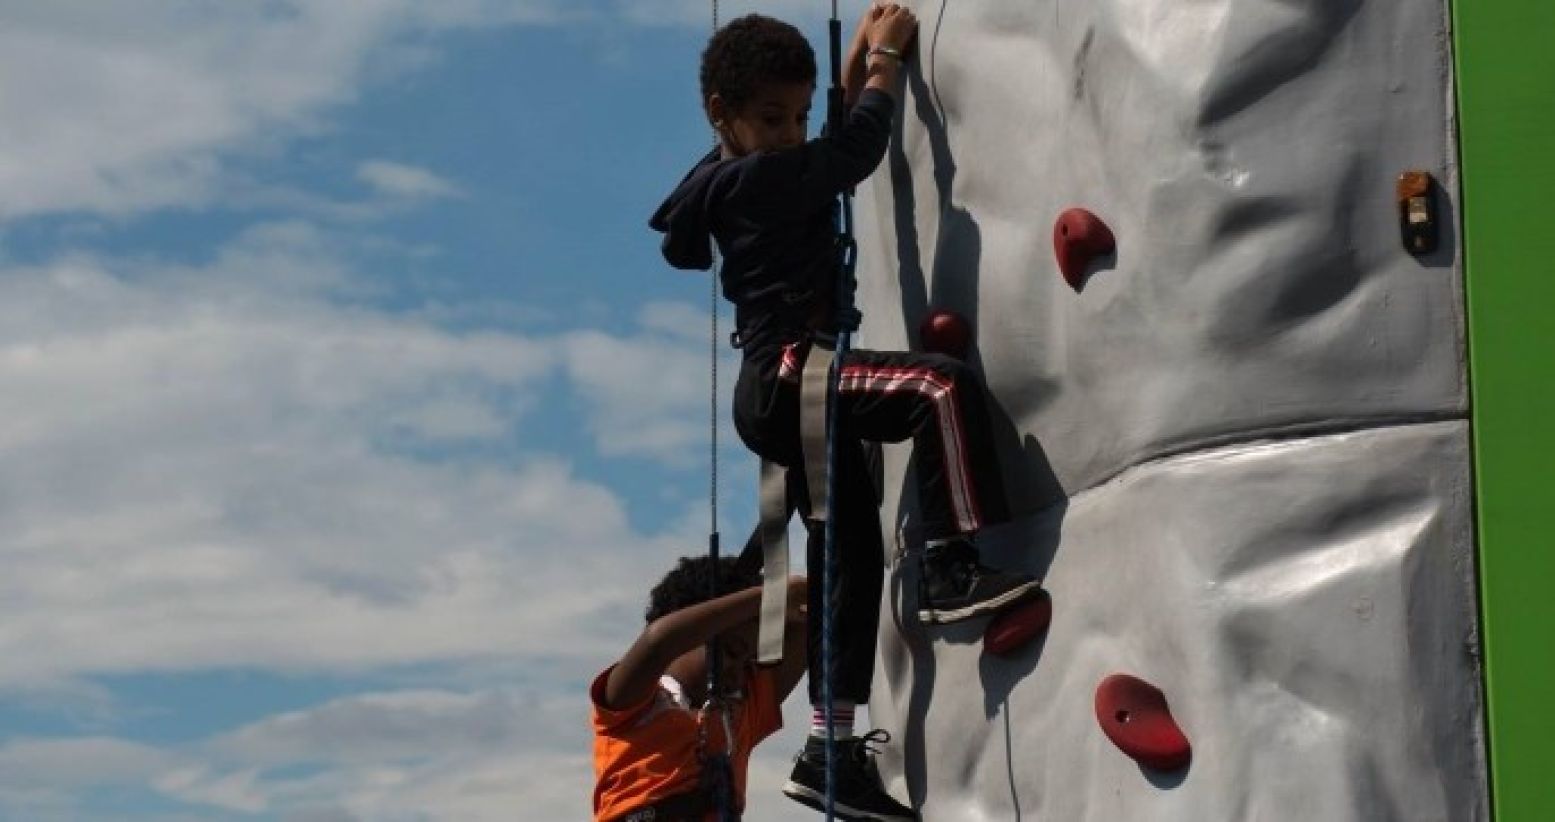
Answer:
(771, 214)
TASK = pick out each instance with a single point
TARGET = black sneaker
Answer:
(954, 584)
(860, 796)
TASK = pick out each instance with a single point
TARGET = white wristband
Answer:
(887, 51)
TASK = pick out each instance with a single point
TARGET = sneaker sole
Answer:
(987, 606)
(807, 796)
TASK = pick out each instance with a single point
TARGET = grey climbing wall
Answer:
(1239, 453)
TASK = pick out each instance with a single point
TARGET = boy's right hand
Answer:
(891, 26)
(870, 15)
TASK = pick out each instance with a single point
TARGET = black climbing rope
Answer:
(847, 322)
(717, 769)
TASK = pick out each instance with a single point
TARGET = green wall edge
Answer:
(1505, 52)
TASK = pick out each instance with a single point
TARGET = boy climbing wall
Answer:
(766, 196)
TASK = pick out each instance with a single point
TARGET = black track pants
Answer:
(885, 396)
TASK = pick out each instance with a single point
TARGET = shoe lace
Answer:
(878, 736)
(962, 564)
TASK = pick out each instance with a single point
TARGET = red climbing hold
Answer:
(1133, 714)
(1019, 625)
(1078, 238)
(945, 332)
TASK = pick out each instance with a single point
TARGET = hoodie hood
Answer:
(682, 218)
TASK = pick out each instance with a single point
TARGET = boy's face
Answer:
(776, 117)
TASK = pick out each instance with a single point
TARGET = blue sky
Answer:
(349, 407)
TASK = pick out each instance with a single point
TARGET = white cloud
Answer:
(241, 463)
(648, 392)
(118, 108)
(390, 755)
(682, 320)
(234, 790)
(217, 465)
(802, 13)
(78, 762)
(397, 726)
(421, 754)
(141, 104)
(81, 704)
(202, 468)
(398, 180)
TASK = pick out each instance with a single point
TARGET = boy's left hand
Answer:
(896, 28)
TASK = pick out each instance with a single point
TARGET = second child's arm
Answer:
(635, 677)
(796, 651)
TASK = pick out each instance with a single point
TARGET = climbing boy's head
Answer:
(758, 75)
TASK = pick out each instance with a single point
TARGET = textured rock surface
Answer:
(1239, 452)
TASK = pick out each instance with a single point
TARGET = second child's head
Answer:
(690, 583)
(758, 75)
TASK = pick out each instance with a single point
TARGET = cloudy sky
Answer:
(346, 407)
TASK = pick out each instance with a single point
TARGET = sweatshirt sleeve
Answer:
(810, 176)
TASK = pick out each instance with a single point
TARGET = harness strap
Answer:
(773, 529)
(814, 386)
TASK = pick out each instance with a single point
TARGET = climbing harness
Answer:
(772, 537)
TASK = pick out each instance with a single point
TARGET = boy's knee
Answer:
(957, 372)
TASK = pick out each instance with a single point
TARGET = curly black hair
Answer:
(752, 51)
(688, 584)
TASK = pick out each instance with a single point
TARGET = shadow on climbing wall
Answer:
(958, 242)
(1025, 544)
(1446, 253)
(953, 283)
(1167, 780)
(1036, 499)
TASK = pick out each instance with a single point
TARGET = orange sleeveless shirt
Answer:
(648, 752)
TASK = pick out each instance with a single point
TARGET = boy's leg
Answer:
(859, 579)
(860, 574)
(941, 403)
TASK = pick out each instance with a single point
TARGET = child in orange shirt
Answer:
(651, 736)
